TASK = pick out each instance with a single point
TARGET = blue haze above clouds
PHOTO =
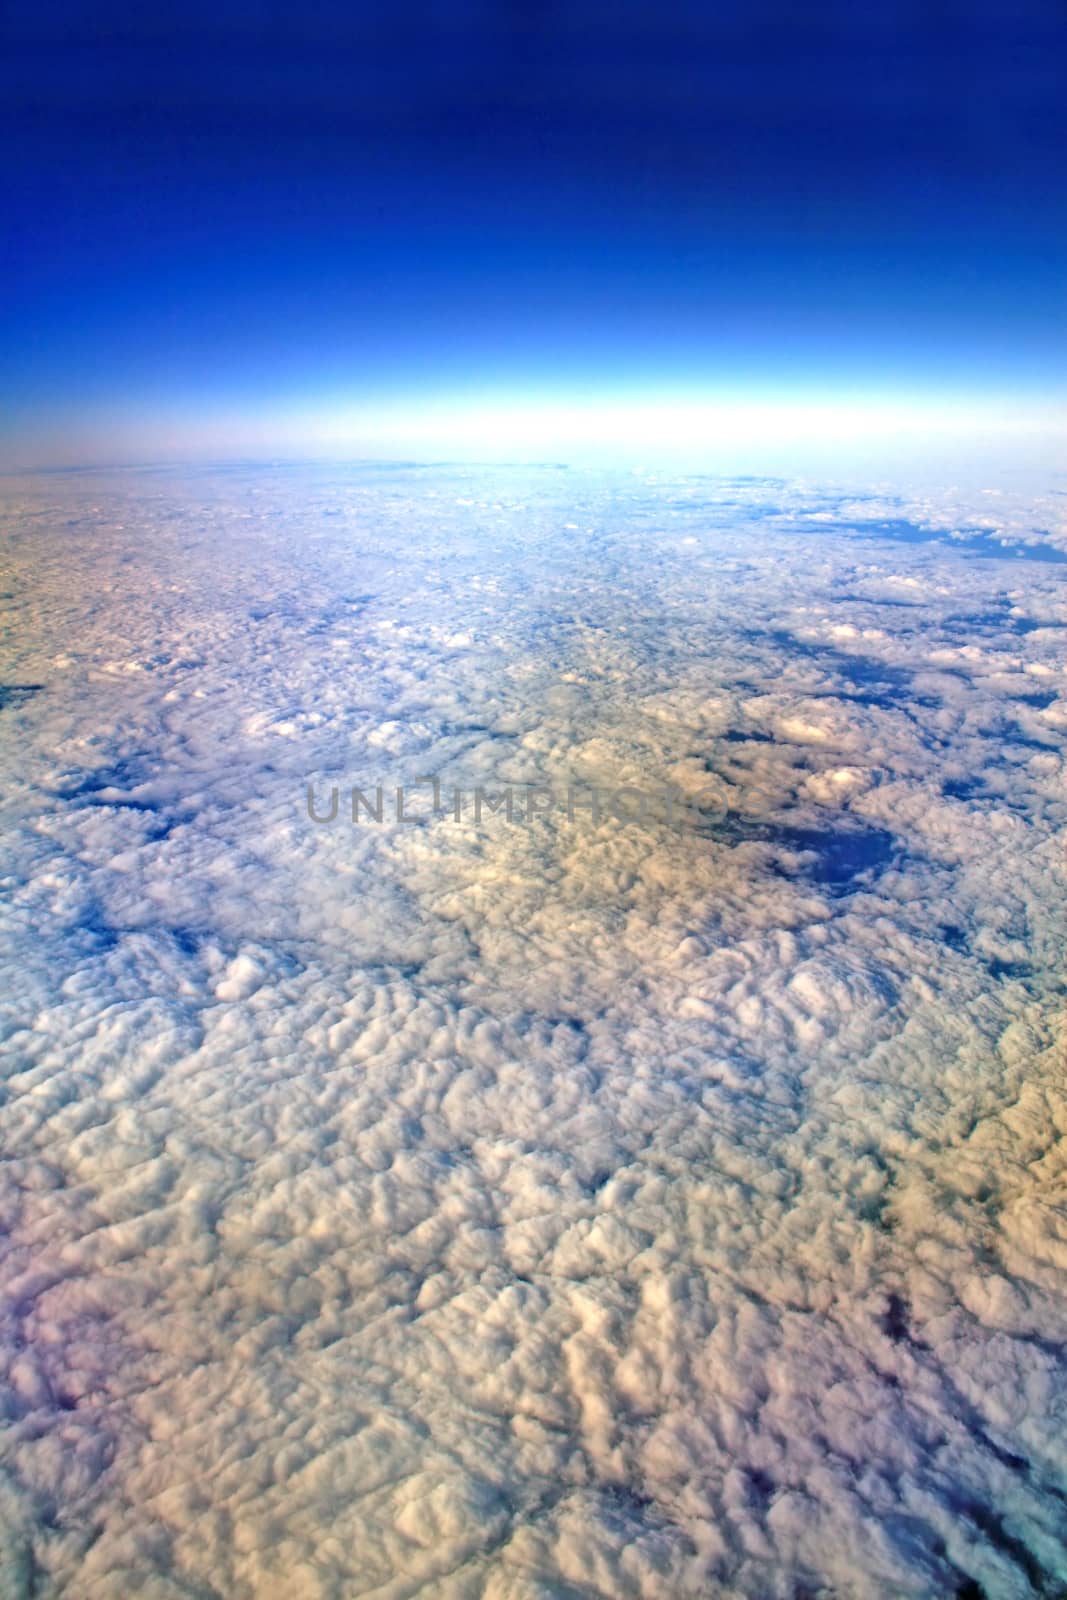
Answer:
(231, 228)
(552, 1210)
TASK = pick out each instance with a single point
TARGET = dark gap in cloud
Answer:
(630, 1504)
(896, 1322)
(761, 1484)
(897, 529)
(980, 619)
(964, 788)
(574, 1025)
(861, 679)
(110, 800)
(1016, 735)
(1030, 624)
(1040, 701)
(102, 934)
(16, 694)
(878, 702)
(842, 857)
(997, 622)
(970, 542)
(875, 601)
(723, 503)
(877, 1212)
(989, 1522)
(990, 546)
(120, 776)
(124, 785)
(106, 800)
(836, 858)
(1009, 969)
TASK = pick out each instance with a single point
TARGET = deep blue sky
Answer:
(257, 210)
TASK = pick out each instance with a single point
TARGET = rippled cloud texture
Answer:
(550, 1211)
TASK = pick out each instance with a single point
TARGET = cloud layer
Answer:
(563, 1210)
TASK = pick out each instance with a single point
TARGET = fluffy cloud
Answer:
(579, 1208)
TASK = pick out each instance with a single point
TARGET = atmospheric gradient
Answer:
(533, 800)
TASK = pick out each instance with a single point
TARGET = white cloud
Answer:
(562, 1210)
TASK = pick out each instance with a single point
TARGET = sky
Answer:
(477, 228)
(455, 1202)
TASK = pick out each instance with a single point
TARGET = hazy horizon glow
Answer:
(608, 426)
(341, 231)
